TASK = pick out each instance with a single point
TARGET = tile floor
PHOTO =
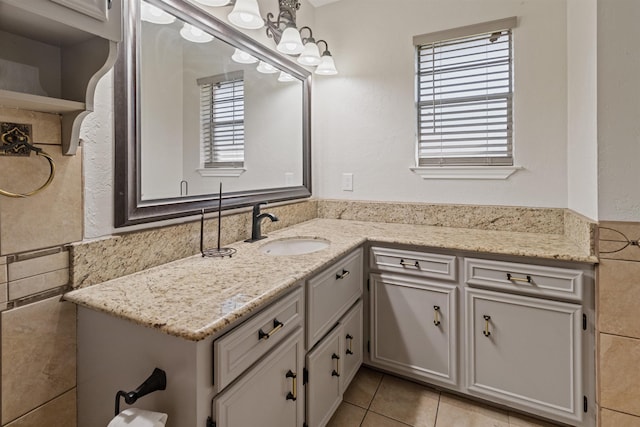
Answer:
(379, 400)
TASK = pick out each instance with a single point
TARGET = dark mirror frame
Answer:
(130, 209)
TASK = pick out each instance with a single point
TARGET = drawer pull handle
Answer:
(486, 331)
(436, 317)
(518, 279)
(344, 274)
(277, 325)
(404, 263)
(336, 372)
(350, 340)
(292, 395)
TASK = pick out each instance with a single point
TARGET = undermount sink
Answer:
(294, 246)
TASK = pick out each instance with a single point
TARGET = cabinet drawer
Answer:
(423, 264)
(331, 293)
(524, 278)
(234, 352)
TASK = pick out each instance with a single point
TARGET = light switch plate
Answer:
(347, 182)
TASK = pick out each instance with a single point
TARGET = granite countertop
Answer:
(197, 297)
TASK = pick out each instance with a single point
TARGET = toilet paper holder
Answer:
(156, 381)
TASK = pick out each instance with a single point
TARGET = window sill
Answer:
(466, 172)
(222, 172)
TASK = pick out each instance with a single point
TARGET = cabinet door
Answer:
(270, 393)
(324, 364)
(413, 327)
(525, 352)
(352, 347)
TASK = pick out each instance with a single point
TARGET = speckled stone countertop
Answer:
(195, 297)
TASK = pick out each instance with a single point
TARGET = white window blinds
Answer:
(222, 120)
(464, 96)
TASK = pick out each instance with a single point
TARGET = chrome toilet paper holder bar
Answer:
(156, 381)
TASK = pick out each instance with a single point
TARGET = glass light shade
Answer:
(310, 55)
(213, 2)
(285, 77)
(290, 42)
(155, 15)
(246, 14)
(265, 68)
(242, 57)
(327, 67)
(193, 34)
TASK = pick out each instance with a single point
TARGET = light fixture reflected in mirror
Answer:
(265, 68)
(155, 15)
(194, 34)
(246, 14)
(242, 57)
(285, 77)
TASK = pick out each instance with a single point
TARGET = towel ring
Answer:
(39, 152)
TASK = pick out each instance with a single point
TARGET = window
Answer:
(222, 120)
(464, 96)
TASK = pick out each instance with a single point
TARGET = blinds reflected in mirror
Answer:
(464, 97)
(222, 120)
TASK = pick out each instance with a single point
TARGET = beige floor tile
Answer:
(457, 412)
(60, 412)
(618, 296)
(619, 374)
(376, 420)
(363, 387)
(519, 420)
(617, 419)
(347, 415)
(405, 401)
(38, 355)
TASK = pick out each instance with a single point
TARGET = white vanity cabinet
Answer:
(524, 352)
(270, 393)
(413, 327)
(515, 333)
(334, 335)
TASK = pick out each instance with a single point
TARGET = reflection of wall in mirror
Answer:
(161, 101)
(170, 118)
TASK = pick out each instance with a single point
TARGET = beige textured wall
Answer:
(618, 326)
(37, 330)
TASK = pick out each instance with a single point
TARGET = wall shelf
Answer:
(44, 104)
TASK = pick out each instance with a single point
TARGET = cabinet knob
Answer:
(336, 372)
(404, 263)
(511, 278)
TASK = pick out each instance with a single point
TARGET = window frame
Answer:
(209, 165)
(484, 167)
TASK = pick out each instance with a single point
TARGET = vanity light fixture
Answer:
(155, 15)
(283, 30)
(242, 57)
(265, 68)
(311, 54)
(246, 14)
(194, 34)
(327, 67)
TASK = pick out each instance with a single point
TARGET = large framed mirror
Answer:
(199, 104)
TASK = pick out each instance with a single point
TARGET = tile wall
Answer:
(37, 330)
(619, 329)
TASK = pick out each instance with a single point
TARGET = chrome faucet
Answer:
(256, 222)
